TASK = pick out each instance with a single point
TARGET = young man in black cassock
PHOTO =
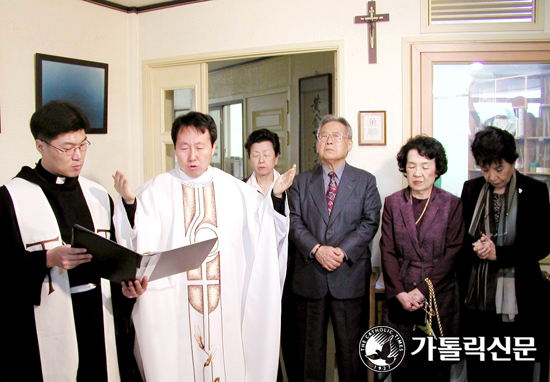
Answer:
(60, 321)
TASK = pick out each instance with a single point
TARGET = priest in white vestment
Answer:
(219, 322)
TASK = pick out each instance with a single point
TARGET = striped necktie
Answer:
(331, 192)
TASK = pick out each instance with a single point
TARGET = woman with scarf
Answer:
(422, 233)
(507, 216)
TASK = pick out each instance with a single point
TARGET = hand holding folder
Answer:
(118, 263)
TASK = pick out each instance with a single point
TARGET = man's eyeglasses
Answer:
(336, 137)
(70, 152)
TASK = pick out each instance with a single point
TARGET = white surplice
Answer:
(283, 244)
(220, 322)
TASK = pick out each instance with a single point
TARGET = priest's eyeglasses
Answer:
(70, 152)
(336, 137)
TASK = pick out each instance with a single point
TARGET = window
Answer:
(513, 97)
(229, 155)
(458, 88)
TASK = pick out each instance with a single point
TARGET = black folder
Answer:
(118, 263)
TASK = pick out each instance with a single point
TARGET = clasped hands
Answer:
(412, 300)
(329, 257)
(485, 248)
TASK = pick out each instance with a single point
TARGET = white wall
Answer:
(67, 28)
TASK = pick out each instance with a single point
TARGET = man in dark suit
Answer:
(335, 213)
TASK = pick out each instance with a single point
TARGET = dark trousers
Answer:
(348, 318)
(88, 317)
(289, 338)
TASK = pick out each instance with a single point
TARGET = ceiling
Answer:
(137, 6)
(138, 3)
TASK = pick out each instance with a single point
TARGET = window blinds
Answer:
(481, 11)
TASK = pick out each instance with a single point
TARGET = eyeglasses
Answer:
(336, 137)
(70, 152)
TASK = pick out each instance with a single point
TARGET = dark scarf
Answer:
(491, 288)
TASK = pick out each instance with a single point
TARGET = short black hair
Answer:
(492, 145)
(56, 118)
(263, 135)
(426, 146)
(202, 122)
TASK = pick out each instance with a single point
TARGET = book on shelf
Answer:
(545, 122)
(520, 161)
(520, 113)
(546, 90)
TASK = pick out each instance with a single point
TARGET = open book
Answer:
(118, 263)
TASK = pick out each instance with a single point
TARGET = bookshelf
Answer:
(521, 105)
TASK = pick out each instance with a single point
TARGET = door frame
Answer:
(149, 67)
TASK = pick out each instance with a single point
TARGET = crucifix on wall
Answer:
(372, 18)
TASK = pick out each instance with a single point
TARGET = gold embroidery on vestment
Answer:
(189, 207)
(195, 297)
(204, 283)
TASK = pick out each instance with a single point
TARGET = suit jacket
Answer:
(531, 245)
(410, 253)
(351, 226)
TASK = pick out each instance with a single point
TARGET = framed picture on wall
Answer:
(83, 83)
(372, 128)
(315, 103)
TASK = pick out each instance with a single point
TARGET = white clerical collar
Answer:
(204, 178)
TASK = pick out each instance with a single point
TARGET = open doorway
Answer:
(251, 79)
(267, 92)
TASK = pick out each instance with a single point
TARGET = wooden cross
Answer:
(372, 18)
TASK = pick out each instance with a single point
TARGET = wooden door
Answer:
(270, 111)
(164, 88)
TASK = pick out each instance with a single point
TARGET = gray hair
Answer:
(332, 118)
